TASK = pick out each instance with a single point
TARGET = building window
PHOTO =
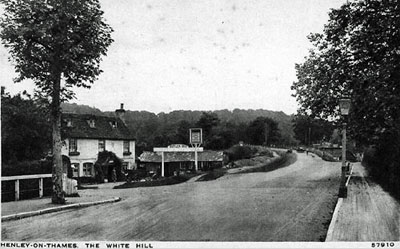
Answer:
(69, 122)
(102, 145)
(87, 169)
(73, 147)
(91, 123)
(75, 169)
(113, 124)
(127, 150)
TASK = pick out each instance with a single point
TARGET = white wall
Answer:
(89, 148)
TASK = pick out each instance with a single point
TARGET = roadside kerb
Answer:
(56, 209)
(335, 212)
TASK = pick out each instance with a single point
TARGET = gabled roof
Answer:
(205, 156)
(103, 127)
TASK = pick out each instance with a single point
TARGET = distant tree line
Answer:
(217, 134)
(221, 129)
(26, 131)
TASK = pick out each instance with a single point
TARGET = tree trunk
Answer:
(58, 196)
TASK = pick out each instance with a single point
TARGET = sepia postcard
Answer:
(200, 124)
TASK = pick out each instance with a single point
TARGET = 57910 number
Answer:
(382, 244)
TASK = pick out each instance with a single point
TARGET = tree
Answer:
(358, 54)
(54, 40)
(25, 131)
(207, 121)
(311, 130)
(182, 132)
(263, 131)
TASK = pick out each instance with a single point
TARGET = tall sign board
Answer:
(196, 136)
(196, 139)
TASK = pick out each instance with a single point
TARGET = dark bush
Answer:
(103, 166)
(240, 152)
(328, 157)
(33, 167)
(26, 168)
(382, 162)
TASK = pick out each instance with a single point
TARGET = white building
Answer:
(87, 135)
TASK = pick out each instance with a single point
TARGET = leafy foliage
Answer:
(46, 38)
(103, 167)
(240, 152)
(263, 131)
(311, 130)
(358, 54)
(25, 130)
(51, 40)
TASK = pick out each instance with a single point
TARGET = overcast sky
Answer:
(199, 54)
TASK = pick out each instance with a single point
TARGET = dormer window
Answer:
(113, 124)
(69, 123)
(91, 123)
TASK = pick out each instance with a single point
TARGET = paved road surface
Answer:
(289, 204)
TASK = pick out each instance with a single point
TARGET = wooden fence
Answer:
(16, 180)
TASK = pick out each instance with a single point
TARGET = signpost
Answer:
(196, 139)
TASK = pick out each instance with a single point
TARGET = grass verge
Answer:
(285, 159)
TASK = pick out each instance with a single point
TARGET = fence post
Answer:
(40, 187)
(17, 190)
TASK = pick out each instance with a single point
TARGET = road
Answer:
(294, 203)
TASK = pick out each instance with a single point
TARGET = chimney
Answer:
(120, 113)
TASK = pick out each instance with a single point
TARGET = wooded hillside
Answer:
(161, 129)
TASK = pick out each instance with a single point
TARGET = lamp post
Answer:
(344, 104)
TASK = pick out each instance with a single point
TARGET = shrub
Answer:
(328, 157)
(240, 152)
(284, 160)
(382, 162)
(26, 168)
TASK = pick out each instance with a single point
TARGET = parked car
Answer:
(300, 149)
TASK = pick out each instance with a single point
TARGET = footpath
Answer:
(367, 214)
(27, 208)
